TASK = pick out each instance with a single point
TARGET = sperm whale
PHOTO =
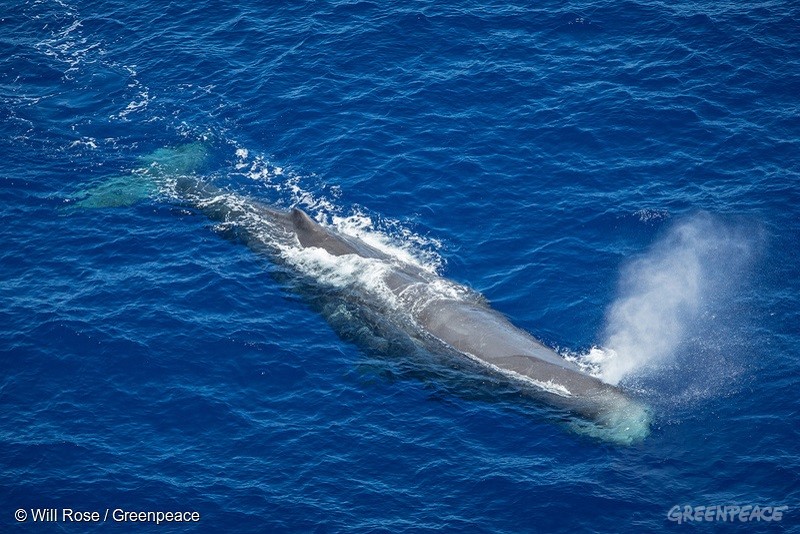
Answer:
(469, 326)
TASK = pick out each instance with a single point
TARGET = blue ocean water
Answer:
(618, 178)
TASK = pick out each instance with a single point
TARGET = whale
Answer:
(431, 306)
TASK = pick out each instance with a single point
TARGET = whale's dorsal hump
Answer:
(302, 222)
(312, 234)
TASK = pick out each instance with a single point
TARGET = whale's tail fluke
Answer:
(146, 180)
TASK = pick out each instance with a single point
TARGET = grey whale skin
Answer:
(472, 328)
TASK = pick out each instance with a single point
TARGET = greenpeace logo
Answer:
(728, 513)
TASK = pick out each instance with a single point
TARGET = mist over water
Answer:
(670, 293)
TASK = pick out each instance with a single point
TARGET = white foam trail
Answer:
(388, 236)
(663, 293)
(341, 272)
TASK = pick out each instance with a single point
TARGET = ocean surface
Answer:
(620, 179)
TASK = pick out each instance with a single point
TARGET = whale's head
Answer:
(613, 417)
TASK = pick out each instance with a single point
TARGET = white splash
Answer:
(88, 142)
(341, 272)
(386, 235)
(139, 103)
